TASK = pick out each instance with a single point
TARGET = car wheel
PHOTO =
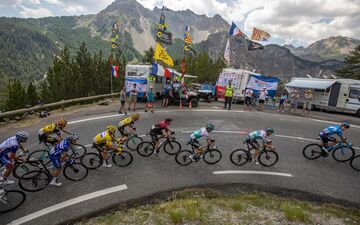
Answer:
(194, 102)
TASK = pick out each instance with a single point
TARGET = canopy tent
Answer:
(310, 83)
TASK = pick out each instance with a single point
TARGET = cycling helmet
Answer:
(111, 128)
(135, 116)
(72, 137)
(22, 136)
(345, 124)
(62, 122)
(210, 126)
(269, 130)
(168, 120)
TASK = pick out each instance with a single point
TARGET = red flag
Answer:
(167, 73)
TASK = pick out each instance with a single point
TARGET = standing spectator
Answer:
(213, 89)
(294, 100)
(229, 92)
(262, 98)
(166, 91)
(248, 97)
(282, 102)
(122, 100)
(150, 100)
(133, 96)
(307, 104)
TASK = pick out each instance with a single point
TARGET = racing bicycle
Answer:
(133, 141)
(355, 163)
(267, 157)
(170, 146)
(341, 151)
(211, 155)
(10, 199)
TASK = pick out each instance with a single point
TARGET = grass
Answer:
(204, 206)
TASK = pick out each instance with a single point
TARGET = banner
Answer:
(189, 50)
(140, 84)
(161, 54)
(260, 35)
(227, 52)
(234, 30)
(164, 36)
(258, 83)
(254, 46)
(114, 37)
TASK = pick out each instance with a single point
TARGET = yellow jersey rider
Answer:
(104, 142)
(127, 122)
(53, 128)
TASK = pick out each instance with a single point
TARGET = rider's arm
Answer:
(65, 131)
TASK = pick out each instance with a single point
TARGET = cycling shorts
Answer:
(46, 139)
(122, 131)
(325, 138)
(194, 143)
(252, 142)
(154, 134)
(55, 161)
(5, 161)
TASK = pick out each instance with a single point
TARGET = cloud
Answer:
(35, 13)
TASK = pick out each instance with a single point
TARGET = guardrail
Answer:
(60, 103)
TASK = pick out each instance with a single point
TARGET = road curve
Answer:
(147, 176)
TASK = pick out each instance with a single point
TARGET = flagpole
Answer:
(111, 83)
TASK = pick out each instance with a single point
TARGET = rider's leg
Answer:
(56, 171)
(105, 156)
(8, 168)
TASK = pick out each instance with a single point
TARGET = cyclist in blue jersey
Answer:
(326, 135)
(252, 140)
(58, 154)
(10, 147)
(194, 137)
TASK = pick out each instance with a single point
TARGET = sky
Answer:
(297, 22)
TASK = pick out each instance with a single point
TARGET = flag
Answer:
(254, 46)
(189, 50)
(161, 54)
(234, 30)
(115, 71)
(227, 52)
(188, 38)
(167, 73)
(260, 35)
(157, 70)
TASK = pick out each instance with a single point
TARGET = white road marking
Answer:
(252, 172)
(93, 118)
(89, 145)
(67, 204)
(218, 131)
(331, 122)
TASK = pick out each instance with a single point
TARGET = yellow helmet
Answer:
(62, 122)
(111, 128)
(135, 116)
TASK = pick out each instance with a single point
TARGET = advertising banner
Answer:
(140, 84)
(258, 83)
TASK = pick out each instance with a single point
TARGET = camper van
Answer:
(339, 95)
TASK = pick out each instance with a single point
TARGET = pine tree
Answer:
(45, 94)
(149, 56)
(16, 96)
(351, 69)
(31, 94)
(85, 73)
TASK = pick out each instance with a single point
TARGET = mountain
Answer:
(329, 48)
(273, 60)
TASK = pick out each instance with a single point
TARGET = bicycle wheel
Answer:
(75, 171)
(312, 151)
(145, 148)
(10, 200)
(343, 154)
(34, 181)
(239, 157)
(172, 147)
(22, 168)
(91, 160)
(133, 142)
(124, 159)
(40, 155)
(212, 156)
(79, 152)
(355, 163)
(182, 158)
(268, 158)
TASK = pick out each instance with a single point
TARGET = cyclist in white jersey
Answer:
(252, 138)
(194, 137)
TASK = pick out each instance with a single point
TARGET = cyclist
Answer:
(104, 142)
(10, 146)
(161, 128)
(127, 122)
(53, 128)
(252, 140)
(58, 153)
(202, 132)
(326, 135)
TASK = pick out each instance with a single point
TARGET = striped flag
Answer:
(227, 52)
(260, 35)
(234, 30)
(115, 71)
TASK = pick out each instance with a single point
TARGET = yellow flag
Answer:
(161, 54)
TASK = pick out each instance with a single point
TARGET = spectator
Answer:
(307, 104)
(229, 92)
(166, 91)
(133, 96)
(282, 102)
(150, 100)
(213, 89)
(262, 98)
(248, 97)
(294, 100)
(122, 100)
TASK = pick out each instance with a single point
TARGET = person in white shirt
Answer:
(248, 96)
(262, 98)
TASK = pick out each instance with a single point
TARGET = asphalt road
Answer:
(146, 176)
